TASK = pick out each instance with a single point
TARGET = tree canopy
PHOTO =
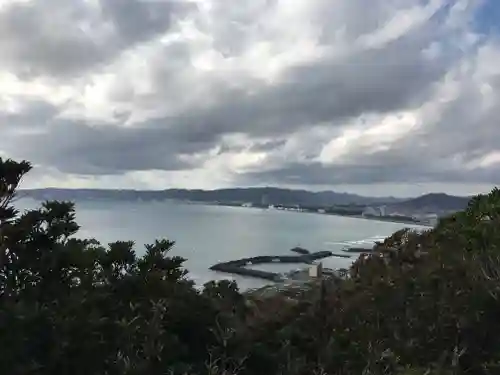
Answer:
(420, 303)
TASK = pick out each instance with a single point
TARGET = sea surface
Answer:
(205, 234)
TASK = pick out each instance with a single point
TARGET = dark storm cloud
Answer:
(267, 146)
(65, 39)
(62, 38)
(329, 90)
(137, 20)
(414, 173)
(376, 81)
(80, 148)
(372, 81)
(35, 114)
(447, 149)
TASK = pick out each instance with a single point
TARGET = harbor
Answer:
(241, 266)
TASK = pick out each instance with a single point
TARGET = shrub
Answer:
(71, 306)
(420, 303)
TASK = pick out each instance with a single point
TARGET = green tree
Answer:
(422, 303)
(72, 306)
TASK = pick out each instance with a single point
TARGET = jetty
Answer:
(239, 266)
(357, 250)
(300, 250)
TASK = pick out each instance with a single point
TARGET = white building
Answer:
(371, 211)
(316, 270)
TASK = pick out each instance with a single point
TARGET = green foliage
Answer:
(427, 301)
(70, 306)
(419, 304)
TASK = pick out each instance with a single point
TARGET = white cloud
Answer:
(205, 93)
(375, 134)
(400, 24)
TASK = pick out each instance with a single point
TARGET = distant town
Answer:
(423, 210)
(427, 217)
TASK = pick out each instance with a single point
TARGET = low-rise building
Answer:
(316, 270)
(374, 211)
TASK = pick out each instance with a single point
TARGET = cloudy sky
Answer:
(376, 97)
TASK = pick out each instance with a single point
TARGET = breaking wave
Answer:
(370, 241)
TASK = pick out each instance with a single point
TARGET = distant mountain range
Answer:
(265, 195)
(433, 202)
(259, 196)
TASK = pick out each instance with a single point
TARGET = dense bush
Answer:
(71, 306)
(421, 303)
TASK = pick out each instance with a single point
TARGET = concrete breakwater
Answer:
(300, 250)
(238, 266)
(357, 250)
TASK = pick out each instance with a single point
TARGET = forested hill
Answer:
(266, 195)
(434, 202)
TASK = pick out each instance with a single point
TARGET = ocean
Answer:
(206, 234)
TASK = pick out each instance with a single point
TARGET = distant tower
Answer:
(264, 200)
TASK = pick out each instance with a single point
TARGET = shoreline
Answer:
(395, 220)
(295, 278)
(388, 220)
(238, 205)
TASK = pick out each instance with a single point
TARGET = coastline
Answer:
(319, 211)
(385, 219)
(298, 279)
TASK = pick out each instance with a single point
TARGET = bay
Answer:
(206, 234)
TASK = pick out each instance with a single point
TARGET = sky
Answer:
(375, 97)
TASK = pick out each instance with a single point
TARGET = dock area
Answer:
(239, 266)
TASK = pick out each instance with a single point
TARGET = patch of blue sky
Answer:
(487, 17)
